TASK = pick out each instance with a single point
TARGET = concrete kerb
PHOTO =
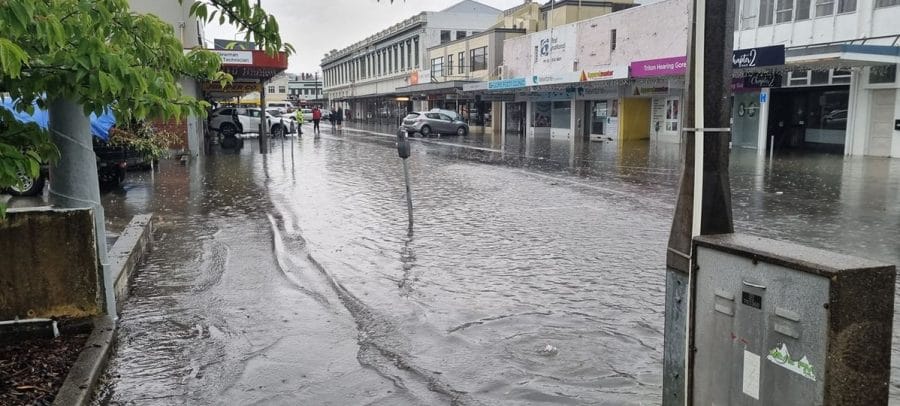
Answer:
(125, 255)
(78, 388)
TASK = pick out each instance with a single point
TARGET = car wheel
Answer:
(277, 131)
(29, 186)
(425, 131)
(228, 129)
(461, 131)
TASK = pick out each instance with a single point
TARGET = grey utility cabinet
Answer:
(776, 323)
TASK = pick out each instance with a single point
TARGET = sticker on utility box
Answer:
(782, 357)
(751, 375)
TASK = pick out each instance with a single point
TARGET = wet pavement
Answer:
(534, 274)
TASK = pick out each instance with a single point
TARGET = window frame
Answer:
(478, 65)
(437, 66)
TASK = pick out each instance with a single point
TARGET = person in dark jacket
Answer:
(340, 117)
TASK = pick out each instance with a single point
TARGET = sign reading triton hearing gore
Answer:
(659, 67)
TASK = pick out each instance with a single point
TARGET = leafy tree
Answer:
(100, 54)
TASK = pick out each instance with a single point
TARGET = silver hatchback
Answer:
(431, 122)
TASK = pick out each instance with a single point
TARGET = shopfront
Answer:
(652, 106)
(601, 93)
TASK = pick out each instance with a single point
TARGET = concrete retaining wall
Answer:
(127, 252)
(49, 266)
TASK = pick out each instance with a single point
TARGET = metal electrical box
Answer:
(775, 323)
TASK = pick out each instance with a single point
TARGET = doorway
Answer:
(881, 123)
(635, 119)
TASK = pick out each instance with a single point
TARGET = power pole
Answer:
(707, 109)
(263, 124)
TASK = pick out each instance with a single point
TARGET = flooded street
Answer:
(535, 272)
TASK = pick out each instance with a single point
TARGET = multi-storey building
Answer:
(836, 86)
(190, 30)
(305, 88)
(364, 77)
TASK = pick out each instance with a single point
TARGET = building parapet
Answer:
(402, 26)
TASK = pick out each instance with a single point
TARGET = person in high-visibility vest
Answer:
(299, 116)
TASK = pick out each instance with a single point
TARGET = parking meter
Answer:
(402, 145)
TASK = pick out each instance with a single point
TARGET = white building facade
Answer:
(613, 76)
(837, 90)
(364, 76)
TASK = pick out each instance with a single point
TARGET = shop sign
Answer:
(499, 97)
(552, 48)
(230, 57)
(760, 80)
(756, 57)
(550, 79)
(545, 96)
(475, 86)
(613, 72)
(506, 84)
(233, 87)
(649, 90)
(419, 76)
(659, 67)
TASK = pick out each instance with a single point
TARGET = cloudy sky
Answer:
(316, 27)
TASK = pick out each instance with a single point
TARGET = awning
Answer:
(435, 87)
(248, 68)
(843, 55)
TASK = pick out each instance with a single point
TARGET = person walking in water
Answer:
(299, 116)
(332, 117)
(340, 117)
(316, 116)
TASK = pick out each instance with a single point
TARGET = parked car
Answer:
(28, 186)
(326, 114)
(231, 121)
(282, 107)
(307, 114)
(454, 115)
(428, 122)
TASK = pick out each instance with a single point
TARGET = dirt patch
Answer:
(32, 370)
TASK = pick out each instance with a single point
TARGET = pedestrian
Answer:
(332, 117)
(316, 116)
(298, 114)
(340, 117)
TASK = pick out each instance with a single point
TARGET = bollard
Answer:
(403, 150)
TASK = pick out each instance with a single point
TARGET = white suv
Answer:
(230, 121)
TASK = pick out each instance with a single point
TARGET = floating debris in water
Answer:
(549, 350)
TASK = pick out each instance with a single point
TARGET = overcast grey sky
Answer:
(316, 27)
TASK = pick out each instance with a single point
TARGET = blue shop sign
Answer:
(756, 57)
(506, 83)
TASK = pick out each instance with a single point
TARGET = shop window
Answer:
(460, 34)
(541, 116)
(785, 11)
(445, 36)
(561, 115)
(281, 89)
(673, 112)
(827, 110)
(437, 67)
(840, 76)
(819, 77)
(846, 6)
(462, 63)
(479, 59)
(883, 74)
(766, 12)
(886, 3)
(824, 8)
(802, 10)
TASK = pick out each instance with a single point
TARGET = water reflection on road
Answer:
(535, 272)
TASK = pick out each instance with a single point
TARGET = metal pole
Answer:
(263, 134)
(771, 147)
(409, 207)
(73, 178)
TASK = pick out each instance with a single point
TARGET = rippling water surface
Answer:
(533, 275)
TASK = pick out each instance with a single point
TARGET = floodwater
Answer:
(534, 273)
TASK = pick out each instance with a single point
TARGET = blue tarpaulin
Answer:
(100, 126)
